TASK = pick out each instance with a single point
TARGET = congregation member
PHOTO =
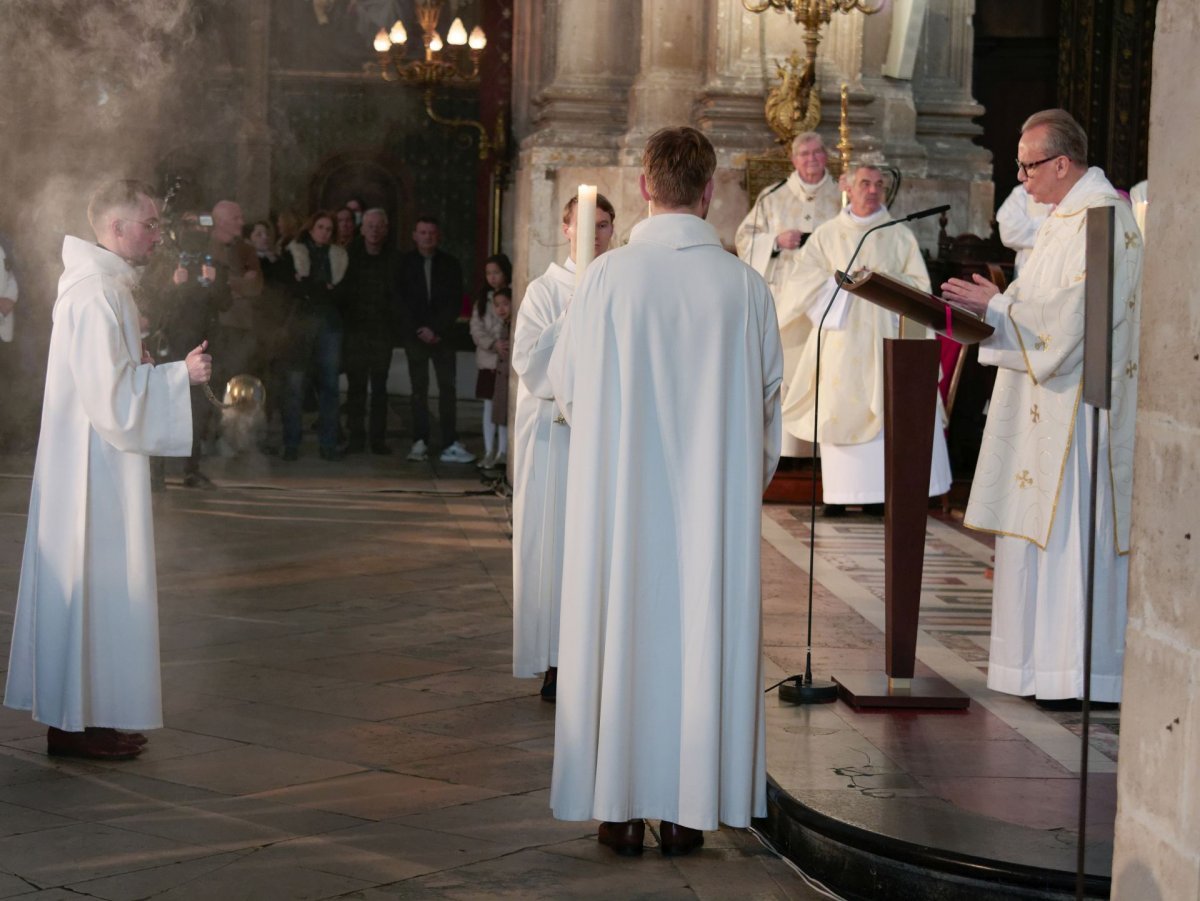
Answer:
(182, 299)
(850, 431)
(486, 333)
(369, 316)
(772, 234)
(315, 334)
(236, 342)
(84, 657)
(667, 370)
(430, 288)
(541, 440)
(346, 227)
(1032, 482)
(502, 304)
(272, 313)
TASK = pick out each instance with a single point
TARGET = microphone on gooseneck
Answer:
(771, 190)
(758, 207)
(932, 211)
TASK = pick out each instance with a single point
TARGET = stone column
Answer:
(574, 62)
(672, 63)
(254, 131)
(1157, 841)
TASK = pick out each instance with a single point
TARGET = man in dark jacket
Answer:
(368, 316)
(429, 285)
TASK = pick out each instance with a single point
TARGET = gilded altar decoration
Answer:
(1035, 414)
(794, 105)
(1024, 479)
(1042, 342)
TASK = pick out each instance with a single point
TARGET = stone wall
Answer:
(593, 78)
(1157, 852)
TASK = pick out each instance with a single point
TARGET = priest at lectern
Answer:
(850, 431)
(1032, 483)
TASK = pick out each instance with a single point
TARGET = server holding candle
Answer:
(541, 440)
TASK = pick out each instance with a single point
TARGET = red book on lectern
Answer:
(936, 313)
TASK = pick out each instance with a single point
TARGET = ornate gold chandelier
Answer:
(458, 65)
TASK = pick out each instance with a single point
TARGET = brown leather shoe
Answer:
(677, 840)
(624, 838)
(93, 744)
(133, 738)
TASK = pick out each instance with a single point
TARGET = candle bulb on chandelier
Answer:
(435, 42)
(382, 43)
(478, 39)
(398, 35)
(457, 35)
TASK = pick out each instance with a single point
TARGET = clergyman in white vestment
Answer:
(668, 370)
(852, 371)
(84, 655)
(770, 238)
(1032, 482)
(541, 440)
(1019, 218)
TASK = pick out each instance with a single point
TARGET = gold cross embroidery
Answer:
(1131, 240)
(1024, 479)
(1043, 342)
(1130, 368)
(1035, 414)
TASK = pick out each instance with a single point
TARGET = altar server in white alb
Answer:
(777, 226)
(668, 370)
(540, 445)
(84, 653)
(1032, 482)
(851, 401)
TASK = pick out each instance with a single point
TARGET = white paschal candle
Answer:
(585, 230)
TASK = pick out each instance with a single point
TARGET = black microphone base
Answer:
(798, 691)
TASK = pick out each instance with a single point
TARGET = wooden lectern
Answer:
(910, 405)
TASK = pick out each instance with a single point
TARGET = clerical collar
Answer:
(807, 189)
(867, 220)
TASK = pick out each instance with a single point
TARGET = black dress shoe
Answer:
(379, 449)
(676, 840)
(831, 511)
(196, 479)
(550, 685)
(873, 509)
(624, 838)
(92, 744)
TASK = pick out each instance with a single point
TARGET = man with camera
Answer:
(182, 293)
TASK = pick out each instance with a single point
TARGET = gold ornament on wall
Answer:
(794, 105)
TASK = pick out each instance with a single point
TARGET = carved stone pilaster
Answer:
(580, 90)
(254, 134)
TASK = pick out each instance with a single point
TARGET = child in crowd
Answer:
(502, 306)
(486, 330)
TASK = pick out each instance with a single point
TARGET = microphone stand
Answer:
(803, 689)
